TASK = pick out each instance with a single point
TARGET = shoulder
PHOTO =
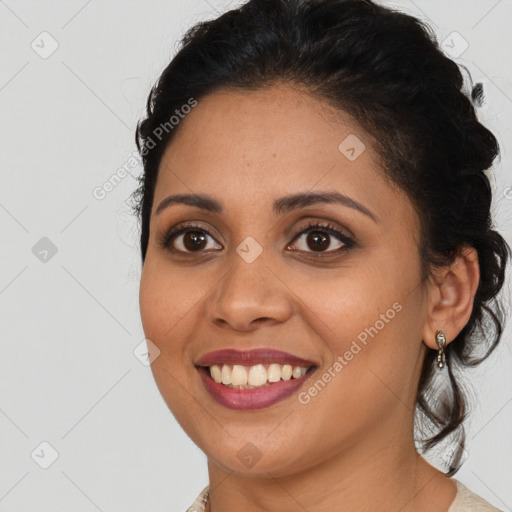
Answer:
(200, 501)
(468, 501)
(465, 501)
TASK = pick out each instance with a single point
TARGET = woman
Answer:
(318, 256)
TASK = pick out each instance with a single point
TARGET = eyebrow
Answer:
(279, 207)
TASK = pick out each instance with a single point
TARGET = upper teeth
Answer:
(258, 375)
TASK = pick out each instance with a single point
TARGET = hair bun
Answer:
(477, 94)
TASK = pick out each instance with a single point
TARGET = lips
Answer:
(259, 397)
(250, 399)
(251, 358)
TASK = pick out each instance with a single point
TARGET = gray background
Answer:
(70, 262)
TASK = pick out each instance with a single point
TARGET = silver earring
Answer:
(441, 343)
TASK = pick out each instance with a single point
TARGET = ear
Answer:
(451, 296)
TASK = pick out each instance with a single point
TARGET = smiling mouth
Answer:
(236, 376)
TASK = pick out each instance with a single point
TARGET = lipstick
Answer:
(251, 357)
(255, 398)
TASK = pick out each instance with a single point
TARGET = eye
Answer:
(186, 238)
(317, 236)
(190, 238)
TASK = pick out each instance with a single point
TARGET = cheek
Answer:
(371, 317)
(165, 310)
(161, 311)
(347, 304)
(167, 297)
(156, 304)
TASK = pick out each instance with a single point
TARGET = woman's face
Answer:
(346, 298)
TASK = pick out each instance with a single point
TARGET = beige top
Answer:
(465, 501)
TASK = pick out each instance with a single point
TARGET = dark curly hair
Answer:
(385, 69)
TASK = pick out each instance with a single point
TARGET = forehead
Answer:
(248, 147)
(280, 121)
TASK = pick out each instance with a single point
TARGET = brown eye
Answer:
(194, 240)
(317, 241)
(319, 237)
(188, 239)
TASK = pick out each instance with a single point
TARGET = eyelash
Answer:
(165, 239)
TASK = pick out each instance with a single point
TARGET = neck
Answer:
(380, 478)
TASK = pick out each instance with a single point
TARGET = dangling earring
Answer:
(441, 343)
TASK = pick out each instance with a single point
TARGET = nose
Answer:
(248, 295)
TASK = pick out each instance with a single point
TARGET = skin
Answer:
(351, 447)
